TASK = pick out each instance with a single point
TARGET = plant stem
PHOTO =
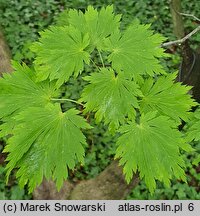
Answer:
(65, 99)
(101, 58)
(95, 64)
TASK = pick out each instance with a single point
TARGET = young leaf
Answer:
(61, 52)
(98, 25)
(19, 90)
(152, 147)
(112, 97)
(45, 142)
(169, 98)
(136, 50)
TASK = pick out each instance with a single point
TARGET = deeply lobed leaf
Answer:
(152, 148)
(168, 98)
(98, 25)
(111, 96)
(45, 142)
(19, 90)
(135, 51)
(61, 52)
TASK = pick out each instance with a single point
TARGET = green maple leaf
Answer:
(135, 51)
(19, 90)
(112, 97)
(152, 148)
(61, 52)
(169, 98)
(98, 25)
(45, 142)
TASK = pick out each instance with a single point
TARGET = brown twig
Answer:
(190, 15)
(182, 40)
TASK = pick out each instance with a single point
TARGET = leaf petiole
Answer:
(66, 99)
(101, 58)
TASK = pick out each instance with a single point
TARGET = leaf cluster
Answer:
(128, 90)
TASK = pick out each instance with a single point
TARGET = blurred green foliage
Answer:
(11, 191)
(21, 21)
